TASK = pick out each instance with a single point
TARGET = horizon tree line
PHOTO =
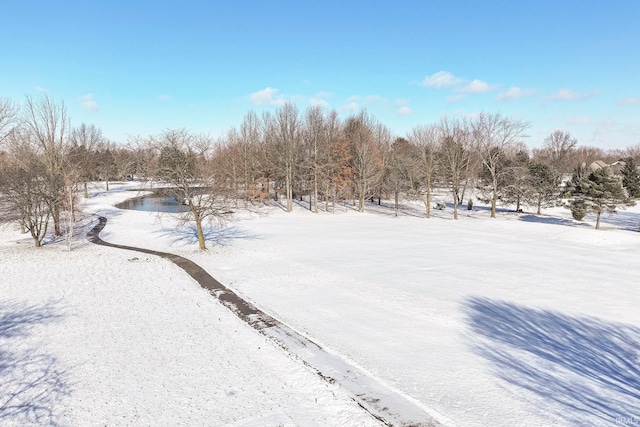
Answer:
(290, 155)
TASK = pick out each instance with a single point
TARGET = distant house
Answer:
(597, 165)
(615, 167)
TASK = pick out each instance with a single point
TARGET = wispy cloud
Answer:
(515, 92)
(455, 98)
(320, 99)
(356, 102)
(89, 103)
(164, 98)
(579, 120)
(366, 100)
(476, 86)
(267, 96)
(403, 107)
(349, 107)
(569, 95)
(319, 102)
(628, 101)
(40, 89)
(404, 111)
(441, 79)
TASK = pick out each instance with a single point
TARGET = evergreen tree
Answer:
(545, 185)
(596, 192)
(631, 177)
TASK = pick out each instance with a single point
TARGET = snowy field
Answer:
(515, 321)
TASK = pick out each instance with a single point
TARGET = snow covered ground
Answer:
(520, 320)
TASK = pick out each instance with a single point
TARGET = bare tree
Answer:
(142, 156)
(248, 141)
(24, 185)
(47, 123)
(8, 117)
(85, 140)
(285, 135)
(401, 172)
(557, 151)
(360, 132)
(315, 143)
(494, 136)
(186, 166)
(334, 172)
(426, 139)
(454, 148)
(586, 155)
(106, 161)
(633, 151)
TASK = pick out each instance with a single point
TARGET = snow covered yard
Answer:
(520, 320)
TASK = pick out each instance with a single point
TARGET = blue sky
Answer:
(136, 68)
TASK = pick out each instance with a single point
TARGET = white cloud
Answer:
(404, 111)
(89, 103)
(40, 89)
(356, 102)
(318, 102)
(403, 107)
(267, 96)
(578, 120)
(569, 95)
(628, 101)
(320, 99)
(441, 79)
(349, 107)
(476, 86)
(515, 92)
(164, 98)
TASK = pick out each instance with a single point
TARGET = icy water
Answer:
(154, 203)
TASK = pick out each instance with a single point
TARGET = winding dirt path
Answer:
(390, 406)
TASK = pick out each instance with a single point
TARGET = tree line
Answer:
(313, 156)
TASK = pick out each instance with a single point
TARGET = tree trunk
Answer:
(455, 205)
(539, 211)
(326, 199)
(86, 190)
(598, 221)
(56, 221)
(396, 201)
(429, 197)
(201, 242)
(315, 192)
(107, 182)
(289, 190)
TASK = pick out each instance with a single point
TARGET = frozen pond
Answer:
(156, 202)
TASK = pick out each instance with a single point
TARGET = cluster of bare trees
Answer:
(44, 160)
(315, 156)
(35, 177)
(287, 156)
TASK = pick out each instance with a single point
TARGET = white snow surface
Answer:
(521, 320)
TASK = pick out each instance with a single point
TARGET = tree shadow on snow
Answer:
(553, 220)
(624, 220)
(32, 384)
(218, 235)
(584, 370)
